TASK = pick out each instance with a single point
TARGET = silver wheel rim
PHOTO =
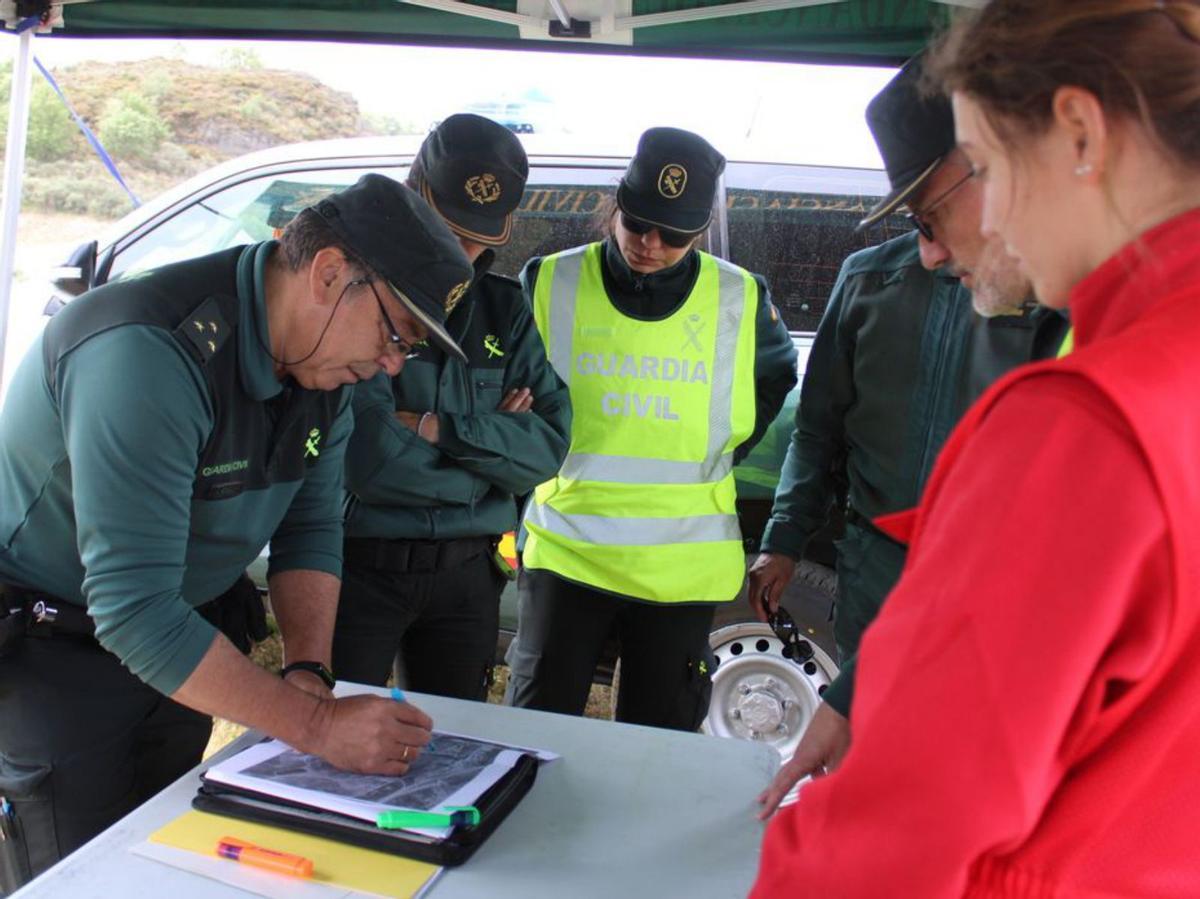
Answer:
(760, 695)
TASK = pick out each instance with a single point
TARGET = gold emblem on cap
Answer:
(483, 188)
(456, 294)
(672, 180)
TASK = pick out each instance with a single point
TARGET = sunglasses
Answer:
(795, 647)
(676, 239)
(920, 221)
(402, 346)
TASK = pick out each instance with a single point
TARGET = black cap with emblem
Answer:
(472, 171)
(671, 180)
(407, 244)
(913, 132)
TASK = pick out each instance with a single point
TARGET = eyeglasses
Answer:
(919, 220)
(795, 647)
(402, 346)
(676, 239)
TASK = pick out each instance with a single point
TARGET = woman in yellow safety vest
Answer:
(676, 362)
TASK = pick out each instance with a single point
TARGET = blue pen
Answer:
(398, 695)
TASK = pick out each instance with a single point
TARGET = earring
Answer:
(1085, 169)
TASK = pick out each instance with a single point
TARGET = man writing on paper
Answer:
(164, 428)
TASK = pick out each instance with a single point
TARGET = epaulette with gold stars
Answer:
(204, 329)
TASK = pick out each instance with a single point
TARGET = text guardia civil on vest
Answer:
(649, 368)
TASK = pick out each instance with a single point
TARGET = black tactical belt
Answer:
(413, 556)
(46, 615)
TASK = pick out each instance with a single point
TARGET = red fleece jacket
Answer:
(1027, 716)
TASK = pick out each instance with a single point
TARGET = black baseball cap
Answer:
(392, 230)
(671, 180)
(472, 171)
(913, 131)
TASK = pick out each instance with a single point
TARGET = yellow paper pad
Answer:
(336, 864)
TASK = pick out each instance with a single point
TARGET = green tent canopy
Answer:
(859, 32)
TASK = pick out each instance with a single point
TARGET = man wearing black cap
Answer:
(441, 452)
(164, 428)
(899, 356)
(677, 362)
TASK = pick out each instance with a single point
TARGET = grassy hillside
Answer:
(163, 120)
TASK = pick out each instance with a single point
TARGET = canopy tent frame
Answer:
(533, 25)
(14, 169)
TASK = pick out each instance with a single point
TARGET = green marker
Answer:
(452, 816)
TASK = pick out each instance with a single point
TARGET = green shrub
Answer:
(52, 134)
(241, 58)
(66, 192)
(172, 159)
(131, 127)
(156, 85)
(258, 108)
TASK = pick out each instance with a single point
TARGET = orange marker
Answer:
(269, 859)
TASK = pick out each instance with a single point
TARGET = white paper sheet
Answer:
(453, 770)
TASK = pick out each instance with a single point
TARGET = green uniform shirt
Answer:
(467, 485)
(97, 475)
(899, 356)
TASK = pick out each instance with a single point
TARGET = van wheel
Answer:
(818, 577)
(758, 693)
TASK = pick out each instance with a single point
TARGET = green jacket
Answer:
(148, 453)
(469, 484)
(899, 356)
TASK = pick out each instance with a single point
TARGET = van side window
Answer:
(244, 212)
(553, 217)
(798, 240)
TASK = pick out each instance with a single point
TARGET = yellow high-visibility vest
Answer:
(1068, 345)
(644, 503)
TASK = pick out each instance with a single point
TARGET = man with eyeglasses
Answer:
(899, 356)
(442, 452)
(161, 431)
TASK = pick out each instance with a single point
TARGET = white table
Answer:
(627, 812)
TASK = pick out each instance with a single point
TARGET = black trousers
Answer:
(868, 567)
(666, 663)
(437, 627)
(83, 742)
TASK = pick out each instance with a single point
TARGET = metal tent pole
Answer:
(14, 164)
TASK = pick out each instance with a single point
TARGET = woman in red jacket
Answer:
(1027, 719)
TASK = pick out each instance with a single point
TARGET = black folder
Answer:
(454, 849)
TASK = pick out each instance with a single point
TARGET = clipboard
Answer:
(494, 806)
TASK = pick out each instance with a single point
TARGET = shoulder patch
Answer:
(204, 330)
(493, 287)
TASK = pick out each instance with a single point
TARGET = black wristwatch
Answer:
(316, 668)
